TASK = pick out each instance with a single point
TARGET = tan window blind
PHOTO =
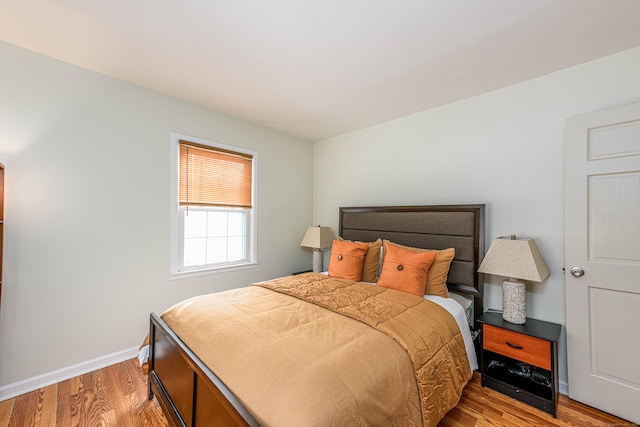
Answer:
(214, 177)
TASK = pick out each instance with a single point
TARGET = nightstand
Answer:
(521, 361)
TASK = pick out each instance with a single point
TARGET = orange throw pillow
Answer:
(347, 259)
(405, 270)
(439, 271)
(371, 261)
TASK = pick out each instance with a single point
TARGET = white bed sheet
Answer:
(466, 301)
(458, 313)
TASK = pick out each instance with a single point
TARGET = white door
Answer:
(602, 197)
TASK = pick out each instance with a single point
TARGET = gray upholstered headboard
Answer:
(430, 227)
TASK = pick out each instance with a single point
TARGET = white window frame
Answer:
(177, 217)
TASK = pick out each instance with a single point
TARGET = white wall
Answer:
(87, 236)
(503, 148)
(87, 210)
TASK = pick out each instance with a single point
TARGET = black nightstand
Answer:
(521, 361)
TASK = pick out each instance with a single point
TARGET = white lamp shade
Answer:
(517, 258)
(317, 237)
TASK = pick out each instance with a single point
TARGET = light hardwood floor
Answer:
(116, 396)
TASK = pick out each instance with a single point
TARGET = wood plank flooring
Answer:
(116, 396)
(108, 397)
(481, 406)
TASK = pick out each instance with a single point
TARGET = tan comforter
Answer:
(292, 363)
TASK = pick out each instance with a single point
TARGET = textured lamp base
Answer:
(318, 256)
(514, 302)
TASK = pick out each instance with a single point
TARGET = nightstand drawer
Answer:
(525, 348)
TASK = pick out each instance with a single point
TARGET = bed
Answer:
(193, 394)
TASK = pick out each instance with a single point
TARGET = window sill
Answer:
(177, 275)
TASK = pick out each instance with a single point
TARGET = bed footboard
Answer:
(189, 392)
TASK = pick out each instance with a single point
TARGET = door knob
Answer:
(577, 271)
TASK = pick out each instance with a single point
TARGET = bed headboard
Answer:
(430, 227)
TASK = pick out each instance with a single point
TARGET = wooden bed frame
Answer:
(192, 395)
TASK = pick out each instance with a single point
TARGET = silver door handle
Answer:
(577, 271)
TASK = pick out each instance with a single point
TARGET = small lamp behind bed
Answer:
(517, 259)
(317, 238)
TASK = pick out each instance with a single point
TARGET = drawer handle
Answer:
(517, 347)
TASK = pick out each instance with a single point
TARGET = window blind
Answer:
(211, 176)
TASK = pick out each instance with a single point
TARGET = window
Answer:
(215, 212)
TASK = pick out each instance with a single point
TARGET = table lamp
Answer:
(517, 259)
(317, 238)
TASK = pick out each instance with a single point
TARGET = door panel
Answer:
(614, 235)
(602, 227)
(616, 140)
(612, 345)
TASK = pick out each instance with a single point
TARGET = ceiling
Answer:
(316, 69)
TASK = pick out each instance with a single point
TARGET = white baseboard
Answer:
(563, 388)
(34, 383)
